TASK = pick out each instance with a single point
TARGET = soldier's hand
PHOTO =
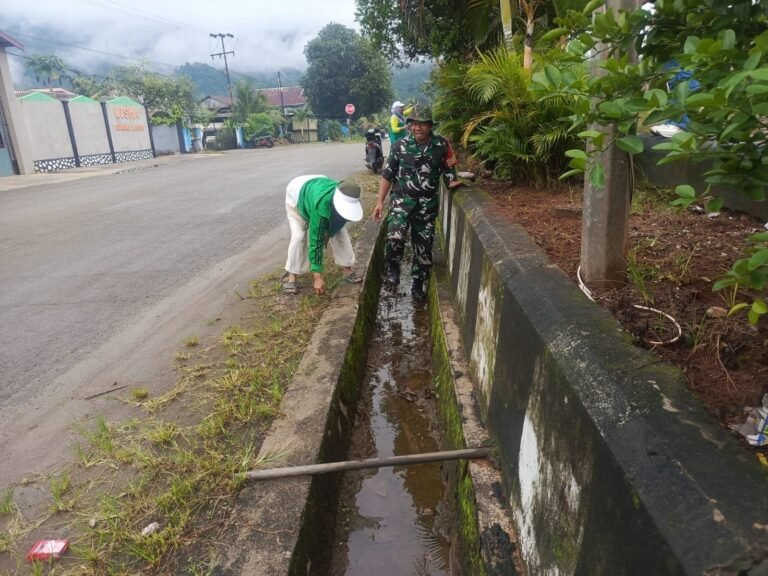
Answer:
(377, 211)
(455, 184)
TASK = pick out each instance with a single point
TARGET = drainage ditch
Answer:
(396, 520)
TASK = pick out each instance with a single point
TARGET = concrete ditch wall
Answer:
(611, 466)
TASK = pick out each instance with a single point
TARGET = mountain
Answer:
(408, 83)
(213, 81)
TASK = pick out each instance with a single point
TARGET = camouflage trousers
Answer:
(417, 215)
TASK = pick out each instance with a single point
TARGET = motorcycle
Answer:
(374, 154)
(266, 141)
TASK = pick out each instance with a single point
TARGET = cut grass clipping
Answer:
(151, 495)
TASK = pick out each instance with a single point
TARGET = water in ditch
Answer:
(396, 520)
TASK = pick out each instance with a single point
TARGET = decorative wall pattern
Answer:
(54, 165)
(134, 155)
(95, 159)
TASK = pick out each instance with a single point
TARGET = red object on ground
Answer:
(47, 550)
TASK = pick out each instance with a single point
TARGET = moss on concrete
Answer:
(460, 482)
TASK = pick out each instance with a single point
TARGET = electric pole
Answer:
(282, 104)
(226, 66)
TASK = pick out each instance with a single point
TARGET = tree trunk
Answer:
(528, 50)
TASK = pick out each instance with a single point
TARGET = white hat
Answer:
(346, 201)
(397, 104)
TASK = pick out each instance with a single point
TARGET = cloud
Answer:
(268, 35)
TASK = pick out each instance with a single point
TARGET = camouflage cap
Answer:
(420, 115)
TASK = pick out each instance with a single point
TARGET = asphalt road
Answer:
(102, 277)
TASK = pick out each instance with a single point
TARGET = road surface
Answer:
(101, 278)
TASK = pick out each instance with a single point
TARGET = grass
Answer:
(181, 471)
(192, 341)
(182, 461)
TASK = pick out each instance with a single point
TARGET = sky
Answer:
(268, 34)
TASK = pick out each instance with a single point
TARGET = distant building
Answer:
(58, 93)
(288, 99)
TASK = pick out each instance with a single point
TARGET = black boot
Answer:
(417, 290)
(393, 276)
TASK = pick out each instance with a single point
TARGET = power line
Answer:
(139, 14)
(46, 41)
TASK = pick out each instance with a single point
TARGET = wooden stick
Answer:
(324, 468)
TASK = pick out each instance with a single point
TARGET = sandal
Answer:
(352, 278)
(289, 288)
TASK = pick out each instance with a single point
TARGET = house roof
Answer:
(8, 42)
(292, 96)
(222, 101)
(58, 93)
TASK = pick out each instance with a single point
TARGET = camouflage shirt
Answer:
(418, 167)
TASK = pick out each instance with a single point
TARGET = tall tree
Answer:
(247, 101)
(173, 96)
(344, 68)
(48, 68)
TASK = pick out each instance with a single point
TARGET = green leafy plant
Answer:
(697, 61)
(507, 126)
(751, 272)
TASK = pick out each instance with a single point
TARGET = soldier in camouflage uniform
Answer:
(413, 172)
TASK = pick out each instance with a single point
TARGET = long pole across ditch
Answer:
(326, 467)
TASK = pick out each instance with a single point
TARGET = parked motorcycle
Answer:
(265, 141)
(374, 153)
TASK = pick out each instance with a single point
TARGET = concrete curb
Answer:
(489, 544)
(611, 466)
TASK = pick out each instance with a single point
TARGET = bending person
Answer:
(318, 208)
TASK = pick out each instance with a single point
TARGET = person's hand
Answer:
(455, 184)
(319, 284)
(377, 211)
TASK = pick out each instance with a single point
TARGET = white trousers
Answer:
(298, 254)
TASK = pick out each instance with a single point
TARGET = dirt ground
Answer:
(674, 256)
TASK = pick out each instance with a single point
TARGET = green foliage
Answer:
(408, 82)
(375, 121)
(721, 46)
(48, 68)
(207, 79)
(750, 272)
(331, 130)
(344, 68)
(488, 106)
(247, 101)
(413, 29)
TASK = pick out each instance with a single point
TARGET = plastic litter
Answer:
(47, 550)
(755, 427)
(150, 528)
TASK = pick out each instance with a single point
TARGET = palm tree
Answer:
(47, 67)
(247, 101)
(517, 12)
(302, 115)
(521, 135)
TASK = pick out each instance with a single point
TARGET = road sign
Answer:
(349, 109)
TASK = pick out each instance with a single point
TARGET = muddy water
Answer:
(395, 520)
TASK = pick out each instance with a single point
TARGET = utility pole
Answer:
(226, 66)
(280, 89)
(282, 104)
(605, 220)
